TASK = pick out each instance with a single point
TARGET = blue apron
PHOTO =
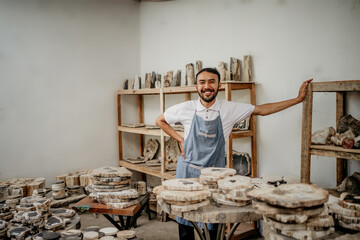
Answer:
(204, 147)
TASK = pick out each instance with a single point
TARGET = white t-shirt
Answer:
(230, 113)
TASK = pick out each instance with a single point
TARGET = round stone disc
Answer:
(109, 231)
(184, 195)
(235, 182)
(182, 184)
(218, 172)
(112, 172)
(293, 195)
(126, 234)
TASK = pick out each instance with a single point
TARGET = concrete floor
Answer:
(145, 229)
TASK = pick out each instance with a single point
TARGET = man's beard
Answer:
(211, 98)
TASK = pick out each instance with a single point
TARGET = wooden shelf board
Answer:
(334, 151)
(145, 131)
(241, 134)
(336, 86)
(154, 171)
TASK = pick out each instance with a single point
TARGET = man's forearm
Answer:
(160, 121)
(271, 108)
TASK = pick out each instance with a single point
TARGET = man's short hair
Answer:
(210, 70)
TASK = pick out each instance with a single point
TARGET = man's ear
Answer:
(219, 84)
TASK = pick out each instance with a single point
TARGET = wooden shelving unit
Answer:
(228, 87)
(307, 149)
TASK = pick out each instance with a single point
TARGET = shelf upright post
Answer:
(229, 160)
(306, 135)
(119, 124)
(254, 168)
(340, 162)
(141, 120)
(162, 136)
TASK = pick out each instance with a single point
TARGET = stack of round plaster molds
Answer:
(210, 176)
(183, 195)
(346, 211)
(111, 179)
(294, 210)
(121, 199)
(4, 226)
(58, 190)
(5, 213)
(232, 191)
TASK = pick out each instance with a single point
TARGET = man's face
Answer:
(207, 86)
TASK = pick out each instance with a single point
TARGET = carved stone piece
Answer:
(151, 147)
(172, 150)
(168, 78)
(357, 142)
(177, 79)
(247, 68)
(184, 195)
(348, 143)
(222, 70)
(153, 79)
(131, 83)
(125, 84)
(189, 207)
(112, 172)
(198, 66)
(148, 80)
(349, 122)
(228, 76)
(109, 231)
(136, 160)
(235, 182)
(137, 82)
(190, 75)
(126, 234)
(235, 68)
(158, 81)
(242, 163)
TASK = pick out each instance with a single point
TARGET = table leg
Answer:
(206, 231)
(198, 230)
(121, 219)
(128, 221)
(220, 231)
(232, 231)
(113, 222)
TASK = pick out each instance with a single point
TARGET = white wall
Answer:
(290, 41)
(60, 65)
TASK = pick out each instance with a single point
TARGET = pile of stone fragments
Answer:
(293, 210)
(210, 176)
(347, 134)
(182, 195)
(111, 186)
(346, 211)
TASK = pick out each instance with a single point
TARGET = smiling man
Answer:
(208, 122)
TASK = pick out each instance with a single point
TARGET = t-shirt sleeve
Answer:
(175, 113)
(237, 112)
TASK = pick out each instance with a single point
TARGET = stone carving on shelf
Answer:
(158, 81)
(147, 80)
(222, 70)
(125, 84)
(172, 150)
(350, 184)
(151, 148)
(168, 78)
(136, 160)
(190, 75)
(243, 125)
(323, 136)
(177, 79)
(153, 79)
(198, 66)
(137, 83)
(247, 68)
(242, 163)
(349, 122)
(357, 142)
(235, 68)
(131, 83)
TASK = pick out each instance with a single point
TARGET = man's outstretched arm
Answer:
(160, 121)
(271, 108)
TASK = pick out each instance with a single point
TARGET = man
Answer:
(207, 123)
